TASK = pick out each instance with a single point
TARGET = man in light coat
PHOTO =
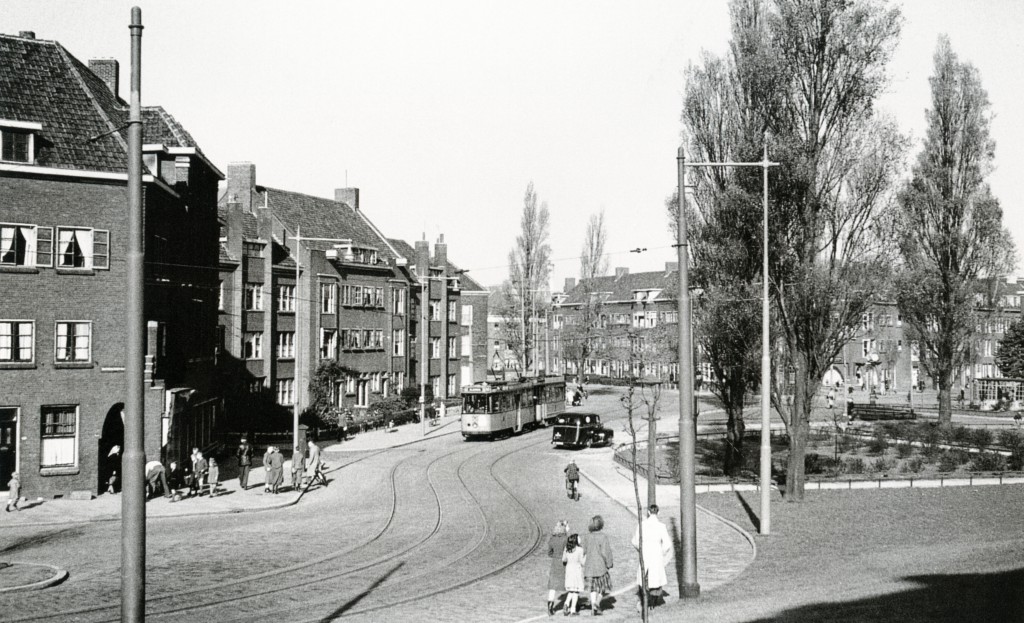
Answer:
(657, 552)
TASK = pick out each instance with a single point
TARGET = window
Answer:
(16, 146)
(867, 321)
(285, 394)
(328, 343)
(378, 297)
(253, 345)
(435, 348)
(378, 339)
(350, 384)
(16, 343)
(467, 344)
(435, 310)
(254, 296)
(220, 295)
(59, 447)
(286, 345)
(453, 312)
(327, 300)
(375, 382)
(83, 248)
(252, 249)
(398, 301)
(398, 342)
(435, 384)
(346, 339)
(467, 315)
(899, 320)
(453, 387)
(453, 347)
(286, 298)
(399, 381)
(17, 245)
(73, 342)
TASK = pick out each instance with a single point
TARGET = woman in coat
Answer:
(599, 560)
(275, 470)
(556, 575)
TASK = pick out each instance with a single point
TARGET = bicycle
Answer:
(572, 489)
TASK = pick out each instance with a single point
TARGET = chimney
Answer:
(348, 196)
(671, 267)
(621, 272)
(441, 252)
(107, 70)
(27, 34)
(422, 258)
(241, 182)
(570, 284)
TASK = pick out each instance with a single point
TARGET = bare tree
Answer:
(528, 268)
(807, 73)
(953, 234)
(581, 332)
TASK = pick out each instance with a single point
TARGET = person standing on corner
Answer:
(598, 561)
(213, 476)
(657, 552)
(244, 455)
(556, 574)
(199, 469)
(298, 467)
(315, 465)
(275, 469)
(13, 492)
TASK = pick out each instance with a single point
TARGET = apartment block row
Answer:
(248, 289)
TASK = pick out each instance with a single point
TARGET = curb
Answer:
(426, 437)
(59, 575)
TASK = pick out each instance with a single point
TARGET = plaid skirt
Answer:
(599, 584)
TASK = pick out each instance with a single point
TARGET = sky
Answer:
(442, 113)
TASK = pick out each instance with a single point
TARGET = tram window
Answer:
(476, 404)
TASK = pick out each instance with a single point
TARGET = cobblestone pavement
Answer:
(440, 530)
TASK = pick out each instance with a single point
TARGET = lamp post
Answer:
(297, 390)
(686, 357)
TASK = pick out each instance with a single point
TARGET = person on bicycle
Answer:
(572, 478)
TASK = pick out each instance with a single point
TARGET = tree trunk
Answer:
(798, 429)
(735, 427)
(945, 404)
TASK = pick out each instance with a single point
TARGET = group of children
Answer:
(579, 567)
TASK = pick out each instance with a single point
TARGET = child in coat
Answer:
(14, 492)
(573, 557)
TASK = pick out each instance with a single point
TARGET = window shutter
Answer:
(44, 246)
(101, 249)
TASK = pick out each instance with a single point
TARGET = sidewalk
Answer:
(381, 438)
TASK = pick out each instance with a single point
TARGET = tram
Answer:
(497, 408)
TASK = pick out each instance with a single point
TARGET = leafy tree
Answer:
(1010, 358)
(953, 233)
(321, 412)
(528, 269)
(806, 73)
(580, 336)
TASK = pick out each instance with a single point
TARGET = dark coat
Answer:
(244, 454)
(275, 465)
(556, 576)
(599, 555)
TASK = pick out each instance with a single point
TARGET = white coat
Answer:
(658, 551)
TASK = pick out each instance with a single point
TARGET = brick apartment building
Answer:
(352, 299)
(63, 227)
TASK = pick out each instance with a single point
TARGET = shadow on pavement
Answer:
(954, 597)
(44, 538)
(754, 519)
(351, 603)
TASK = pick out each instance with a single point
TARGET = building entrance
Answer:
(8, 444)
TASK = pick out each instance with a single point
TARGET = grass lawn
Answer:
(954, 554)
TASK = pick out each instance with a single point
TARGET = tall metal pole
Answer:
(688, 585)
(133, 500)
(766, 366)
(299, 343)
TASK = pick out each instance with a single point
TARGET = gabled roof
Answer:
(621, 288)
(41, 82)
(409, 253)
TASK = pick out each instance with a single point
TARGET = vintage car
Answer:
(580, 429)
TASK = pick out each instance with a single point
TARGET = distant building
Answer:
(63, 229)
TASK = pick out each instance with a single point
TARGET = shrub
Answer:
(879, 443)
(956, 434)
(1016, 461)
(981, 438)
(818, 464)
(912, 466)
(1011, 439)
(904, 450)
(881, 465)
(931, 437)
(849, 444)
(854, 465)
(988, 462)
(952, 459)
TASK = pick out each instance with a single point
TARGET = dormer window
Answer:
(17, 141)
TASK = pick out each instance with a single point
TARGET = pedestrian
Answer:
(13, 492)
(831, 397)
(175, 478)
(1017, 419)
(155, 475)
(556, 573)
(315, 465)
(113, 484)
(572, 479)
(598, 561)
(193, 476)
(244, 456)
(199, 470)
(298, 467)
(266, 468)
(275, 470)
(574, 557)
(113, 464)
(213, 476)
(657, 552)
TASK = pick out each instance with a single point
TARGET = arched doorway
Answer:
(832, 378)
(112, 435)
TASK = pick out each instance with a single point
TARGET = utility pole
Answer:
(688, 585)
(424, 336)
(299, 345)
(133, 500)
